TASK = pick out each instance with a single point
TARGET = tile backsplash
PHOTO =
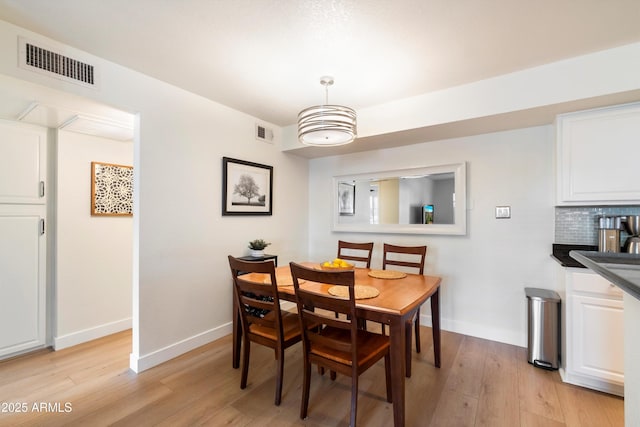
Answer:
(579, 224)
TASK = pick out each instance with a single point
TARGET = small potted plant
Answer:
(257, 247)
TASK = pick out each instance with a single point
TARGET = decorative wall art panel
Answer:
(111, 189)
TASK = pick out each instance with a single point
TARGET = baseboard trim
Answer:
(155, 358)
(90, 334)
(478, 331)
(611, 387)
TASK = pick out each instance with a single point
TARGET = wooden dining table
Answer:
(396, 304)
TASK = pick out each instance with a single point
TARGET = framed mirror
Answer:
(426, 200)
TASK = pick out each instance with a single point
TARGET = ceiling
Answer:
(266, 57)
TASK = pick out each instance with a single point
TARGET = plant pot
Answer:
(256, 253)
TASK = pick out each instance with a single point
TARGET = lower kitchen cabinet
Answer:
(593, 339)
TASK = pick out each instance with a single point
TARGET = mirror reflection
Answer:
(414, 200)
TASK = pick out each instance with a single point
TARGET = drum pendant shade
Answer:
(327, 125)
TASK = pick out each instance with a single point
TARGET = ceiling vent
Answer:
(263, 133)
(54, 64)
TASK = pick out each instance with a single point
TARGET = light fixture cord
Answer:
(326, 94)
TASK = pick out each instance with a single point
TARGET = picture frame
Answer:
(111, 189)
(346, 199)
(247, 188)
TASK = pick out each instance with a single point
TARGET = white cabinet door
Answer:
(597, 154)
(23, 171)
(593, 332)
(22, 278)
(598, 338)
(22, 163)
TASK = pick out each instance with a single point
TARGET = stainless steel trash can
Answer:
(544, 328)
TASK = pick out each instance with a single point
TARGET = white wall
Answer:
(181, 281)
(485, 272)
(94, 253)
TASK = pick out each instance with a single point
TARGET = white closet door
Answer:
(22, 278)
(22, 163)
(23, 171)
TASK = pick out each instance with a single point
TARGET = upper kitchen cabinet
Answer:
(597, 156)
(22, 163)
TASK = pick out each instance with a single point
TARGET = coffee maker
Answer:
(632, 226)
(609, 233)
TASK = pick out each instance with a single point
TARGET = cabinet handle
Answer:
(41, 226)
(41, 188)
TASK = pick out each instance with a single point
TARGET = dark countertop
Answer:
(621, 269)
(560, 253)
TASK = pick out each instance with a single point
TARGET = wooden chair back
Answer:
(308, 302)
(256, 300)
(359, 252)
(261, 319)
(418, 251)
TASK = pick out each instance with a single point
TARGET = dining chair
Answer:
(359, 252)
(261, 319)
(393, 255)
(338, 345)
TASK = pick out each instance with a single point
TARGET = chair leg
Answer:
(387, 374)
(306, 383)
(332, 375)
(417, 332)
(245, 363)
(354, 400)
(407, 349)
(279, 375)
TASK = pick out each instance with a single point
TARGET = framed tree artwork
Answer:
(247, 188)
(111, 189)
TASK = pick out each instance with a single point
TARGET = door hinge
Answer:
(41, 226)
(41, 188)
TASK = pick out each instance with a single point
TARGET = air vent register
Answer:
(36, 58)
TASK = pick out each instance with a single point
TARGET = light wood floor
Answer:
(481, 383)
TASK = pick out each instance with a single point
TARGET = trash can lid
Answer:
(542, 294)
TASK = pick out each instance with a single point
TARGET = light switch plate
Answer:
(503, 212)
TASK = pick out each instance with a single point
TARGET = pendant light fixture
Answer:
(327, 125)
